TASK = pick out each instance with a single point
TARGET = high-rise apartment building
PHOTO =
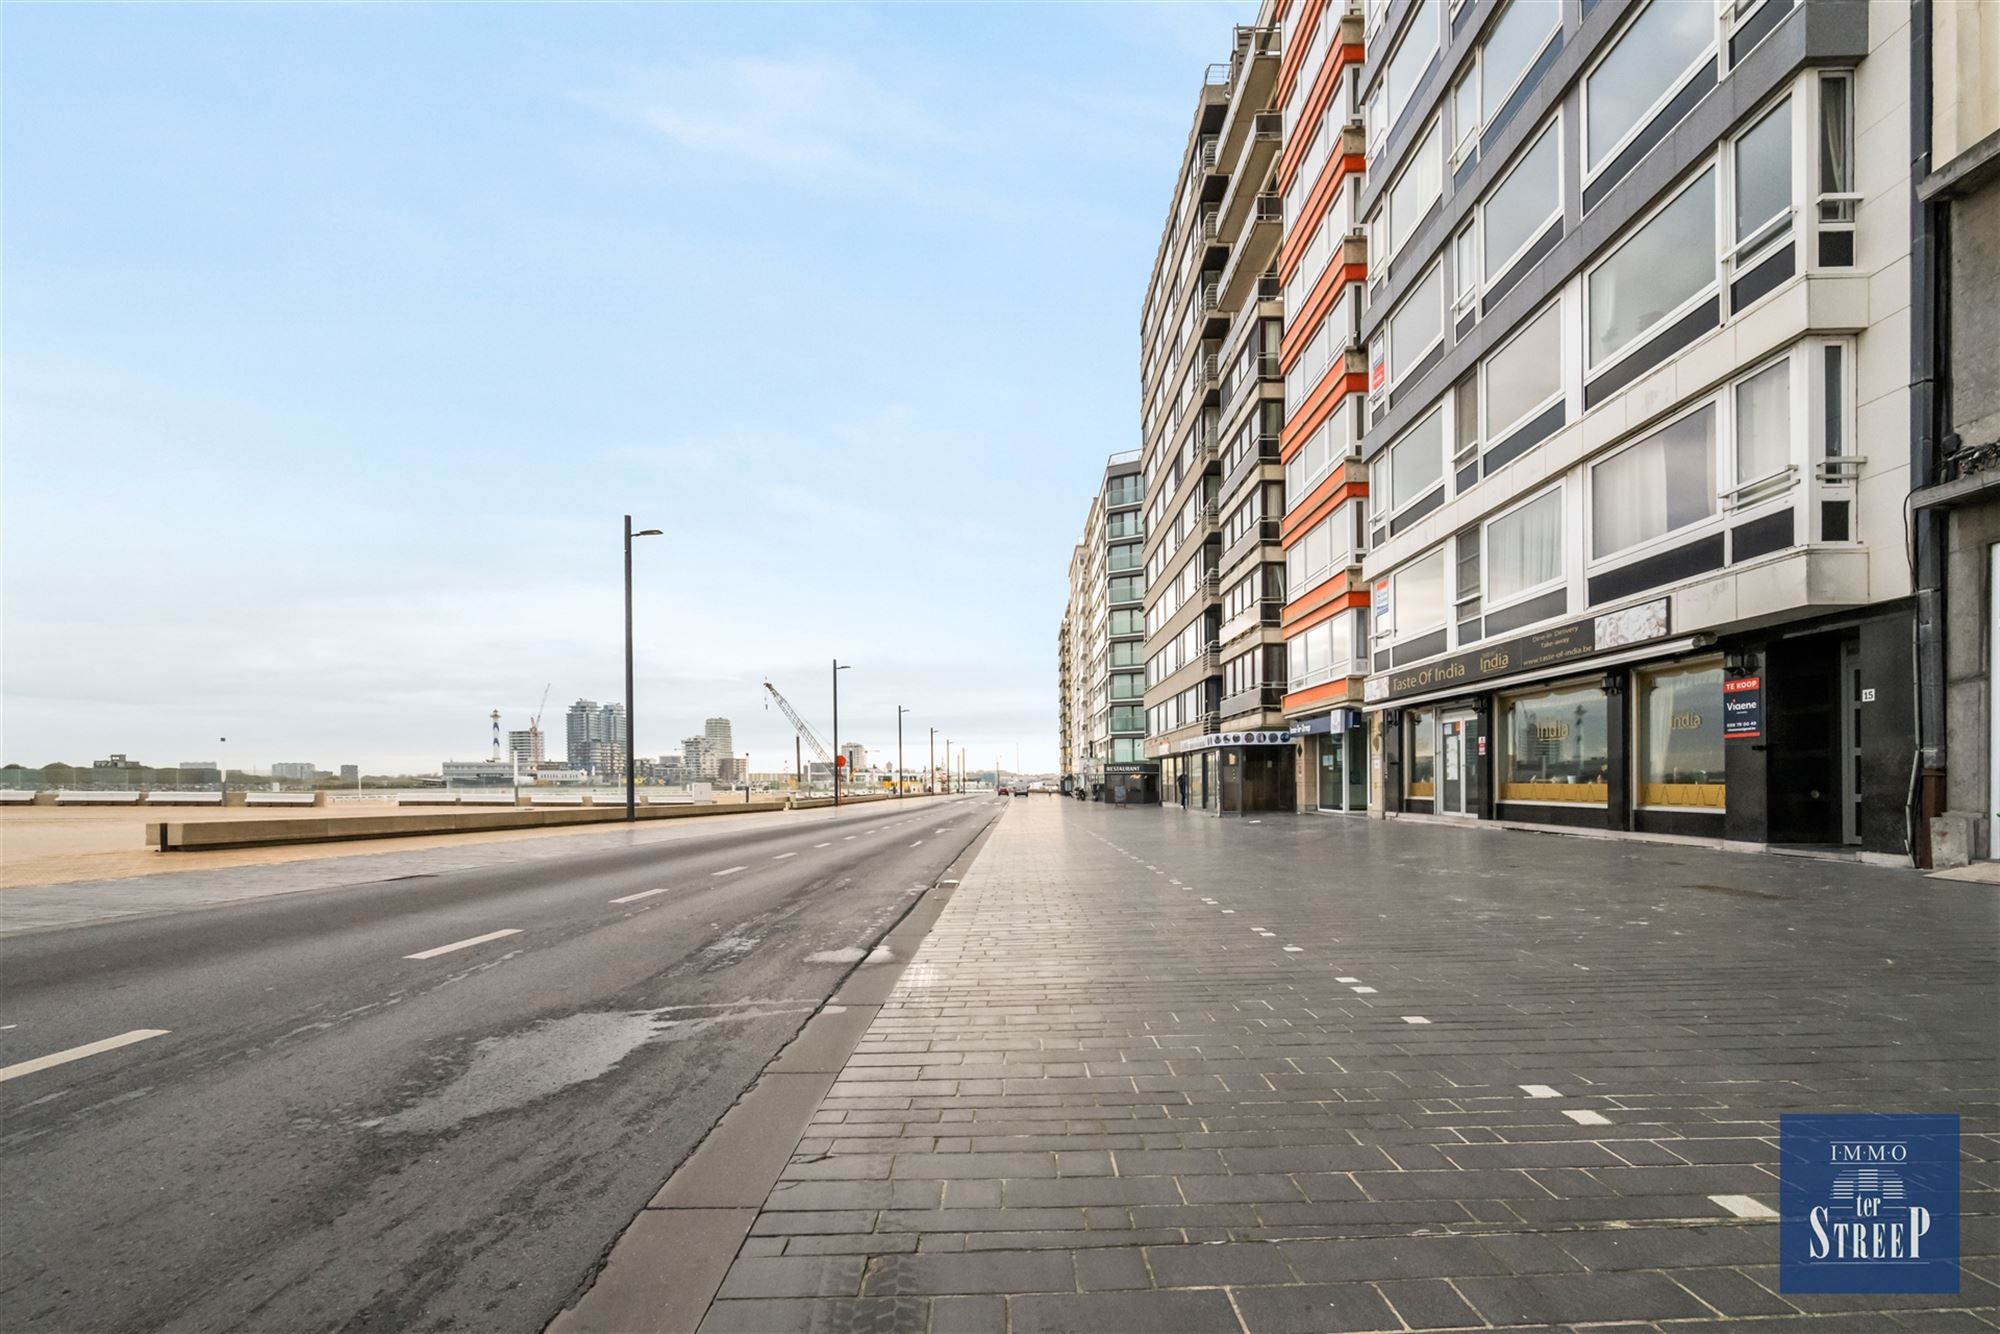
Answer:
(525, 747)
(1637, 418)
(1322, 265)
(1103, 646)
(1211, 414)
(596, 737)
(698, 758)
(720, 742)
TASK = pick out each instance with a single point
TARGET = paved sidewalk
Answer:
(1160, 1072)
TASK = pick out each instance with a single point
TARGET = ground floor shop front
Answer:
(1232, 773)
(1797, 736)
(1332, 762)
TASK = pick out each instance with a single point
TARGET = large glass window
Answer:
(1417, 324)
(1651, 58)
(1658, 486)
(1413, 193)
(1416, 462)
(1128, 621)
(1512, 44)
(1764, 172)
(1411, 59)
(1524, 548)
(1128, 686)
(1420, 774)
(1655, 271)
(1524, 203)
(1764, 422)
(1553, 746)
(1418, 596)
(1680, 737)
(1524, 374)
(1128, 588)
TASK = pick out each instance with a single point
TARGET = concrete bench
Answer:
(16, 796)
(183, 798)
(557, 798)
(486, 799)
(427, 798)
(281, 798)
(663, 799)
(67, 797)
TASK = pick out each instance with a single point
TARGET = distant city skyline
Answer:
(326, 450)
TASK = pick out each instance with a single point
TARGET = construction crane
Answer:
(800, 725)
(535, 723)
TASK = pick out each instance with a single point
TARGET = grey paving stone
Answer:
(1427, 1303)
(1112, 1269)
(968, 1315)
(1571, 1298)
(1217, 1266)
(989, 1272)
(1314, 1308)
(1182, 1312)
(899, 1315)
(787, 1276)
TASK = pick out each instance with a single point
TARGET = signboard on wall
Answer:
(1743, 708)
(1507, 657)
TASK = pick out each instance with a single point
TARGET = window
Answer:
(1414, 192)
(1764, 423)
(1127, 654)
(1651, 59)
(1125, 523)
(1763, 176)
(1518, 209)
(1553, 746)
(1126, 556)
(1524, 549)
(1680, 737)
(1322, 652)
(1464, 116)
(1653, 273)
(1128, 588)
(1420, 774)
(1524, 373)
(1127, 750)
(1323, 451)
(1327, 546)
(1128, 718)
(1414, 465)
(1511, 45)
(1417, 597)
(1465, 421)
(1124, 490)
(1830, 403)
(1836, 148)
(1128, 621)
(1656, 487)
(1412, 58)
(1127, 685)
(1417, 325)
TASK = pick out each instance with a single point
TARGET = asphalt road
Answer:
(333, 1134)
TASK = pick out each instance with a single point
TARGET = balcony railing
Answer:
(1268, 125)
(1270, 208)
(1208, 149)
(1210, 222)
(1256, 699)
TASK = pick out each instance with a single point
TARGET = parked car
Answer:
(1002, 792)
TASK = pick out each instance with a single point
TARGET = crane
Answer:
(800, 725)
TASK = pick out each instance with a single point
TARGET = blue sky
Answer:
(337, 340)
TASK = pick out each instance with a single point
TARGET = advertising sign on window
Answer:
(1743, 708)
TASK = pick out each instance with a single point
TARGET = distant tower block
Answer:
(496, 736)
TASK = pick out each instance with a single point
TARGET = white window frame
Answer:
(1740, 255)
(1552, 126)
(1394, 357)
(1713, 164)
(1594, 564)
(1398, 632)
(1476, 70)
(1847, 203)
(1733, 498)
(1489, 437)
(1646, 117)
(1386, 460)
(1386, 212)
(1490, 603)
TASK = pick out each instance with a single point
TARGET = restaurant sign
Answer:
(1543, 648)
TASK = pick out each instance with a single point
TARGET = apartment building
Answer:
(1956, 374)
(1636, 417)
(1322, 266)
(1212, 411)
(1102, 647)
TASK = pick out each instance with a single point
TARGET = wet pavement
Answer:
(1154, 1071)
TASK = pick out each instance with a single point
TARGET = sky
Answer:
(338, 340)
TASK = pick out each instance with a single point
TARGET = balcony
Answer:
(1264, 612)
(1257, 699)
(1255, 224)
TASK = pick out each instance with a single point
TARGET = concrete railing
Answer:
(192, 835)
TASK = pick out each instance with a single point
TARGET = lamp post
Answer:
(631, 771)
(900, 711)
(930, 774)
(838, 757)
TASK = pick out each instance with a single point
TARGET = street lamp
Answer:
(838, 757)
(930, 774)
(900, 711)
(631, 770)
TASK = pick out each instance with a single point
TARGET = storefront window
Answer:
(1680, 737)
(1422, 772)
(1553, 746)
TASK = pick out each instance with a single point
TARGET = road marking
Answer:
(1745, 1206)
(464, 944)
(918, 844)
(822, 845)
(1415, 1019)
(1346, 980)
(937, 831)
(78, 1053)
(644, 894)
(1295, 949)
(1588, 1118)
(730, 871)
(781, 856)
(1362, 991)
(850, 836)
(1539, 1091)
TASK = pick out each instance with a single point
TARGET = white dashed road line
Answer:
(467, 943)
(8, 1072)
(918, 844)
(644, 894)
(1539, 1091)
(781, 856)
(822, 845)
(729, 871)
(1588, 1118)
(1415, 1019)
(1745, 1206)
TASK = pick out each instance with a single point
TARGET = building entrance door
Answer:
(1453, 762)
(1850, 743)
(1332, 771)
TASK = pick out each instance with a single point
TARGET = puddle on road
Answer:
(519, 1068)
